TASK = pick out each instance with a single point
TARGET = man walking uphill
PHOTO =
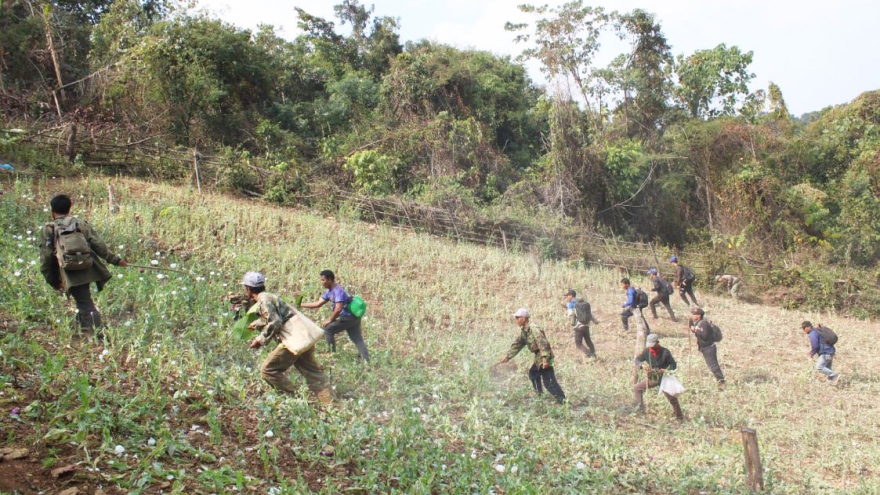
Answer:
(542, 368)
(70, 260)
(684, 280)
(341, 318)
(663, 290)
(632, 306)
(273, 314)
(706, 342)
(581, 317)
(820, 345)
(655, 361)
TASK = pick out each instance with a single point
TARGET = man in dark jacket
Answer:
(75, 283)
(684, 280)
(706, 343)
(581, 317)
(659, 286)
(655, 360)
(824, 350)
(542, 366)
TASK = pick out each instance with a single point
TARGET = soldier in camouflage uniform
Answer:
(76, 283)
(273, 314)
(542, 368)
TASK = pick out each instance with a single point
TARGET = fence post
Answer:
(754, 471)
(196, 156)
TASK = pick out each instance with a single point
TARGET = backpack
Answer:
(688, 274)
(826, 334)
(716, 332)
(667, 287)
(641, 299)
(583, 313)
(71, 246)
(357, 306)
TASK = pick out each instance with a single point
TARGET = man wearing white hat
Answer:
(542, 368)
(273, 314)
(655, 360)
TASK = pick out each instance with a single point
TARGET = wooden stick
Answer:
(754, 471)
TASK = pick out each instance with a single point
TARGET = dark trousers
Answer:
(87, 314)
(664, 300)
(581, 334)
(537, 374)
(710, 354)
(639, 396)
(624, 318)
(350, 325)
(687, 289)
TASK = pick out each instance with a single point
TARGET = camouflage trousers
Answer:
(274, 370)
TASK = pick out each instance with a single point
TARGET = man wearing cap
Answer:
(826, 352)
(705, 343)
(631, 306)
(662, 297)
(542, 368)
(341, 319)
(684, 280)
(731, 282)
(273, 314)
(581, 317)
(655, 360)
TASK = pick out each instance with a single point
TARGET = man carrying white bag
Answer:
(296, 336)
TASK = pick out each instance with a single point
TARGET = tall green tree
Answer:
(565, 40)
(713, 82)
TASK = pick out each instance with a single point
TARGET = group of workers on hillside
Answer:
(71, 255)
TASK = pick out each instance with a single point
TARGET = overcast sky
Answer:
(819, 53)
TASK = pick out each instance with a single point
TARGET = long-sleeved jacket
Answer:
(576, 319)
(679, 275)
(703, 333)
(630, 297)
(818, 346)
(536, 341)
(273, 314)
(663, 361)
(729, 280)
(55, 276)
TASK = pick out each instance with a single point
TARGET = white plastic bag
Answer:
(300, 334)
(670, 385)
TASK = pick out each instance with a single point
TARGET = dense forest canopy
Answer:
(654, 146)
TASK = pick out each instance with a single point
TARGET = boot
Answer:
(325, 396)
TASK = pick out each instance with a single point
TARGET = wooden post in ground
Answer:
(641, 337)
(754, 471)
(111, 199)
(196, 157)
(70, 148)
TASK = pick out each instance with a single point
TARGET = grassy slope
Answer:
(430, 416)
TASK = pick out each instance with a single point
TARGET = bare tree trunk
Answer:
(51, 44)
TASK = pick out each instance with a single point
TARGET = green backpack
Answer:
(71, 246)
(357, 306)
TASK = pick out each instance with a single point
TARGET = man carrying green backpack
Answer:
(346, 315)
(70, 260)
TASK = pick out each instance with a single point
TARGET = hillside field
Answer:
(173, 401)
